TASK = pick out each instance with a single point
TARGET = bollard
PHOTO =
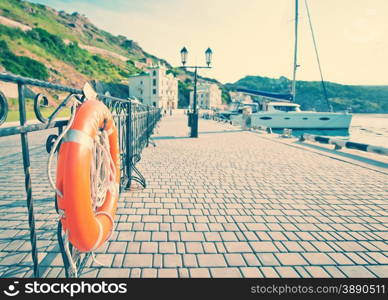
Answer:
(247, 118)
(287, 133)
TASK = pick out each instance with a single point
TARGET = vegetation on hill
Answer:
(44, 44)
(21, 65)
(73, 27)
(69, 49)
(359, 99)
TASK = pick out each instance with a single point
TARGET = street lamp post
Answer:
(194, 114)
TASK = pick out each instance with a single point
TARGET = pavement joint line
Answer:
(306, 211)
(301, 146)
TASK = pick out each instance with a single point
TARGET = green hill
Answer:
(67, 48)
(360, 99)
(39, 42)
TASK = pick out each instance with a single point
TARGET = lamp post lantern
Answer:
(193, 116)
(184, 53)
(208, 55)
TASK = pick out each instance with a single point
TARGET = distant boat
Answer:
(278, 111)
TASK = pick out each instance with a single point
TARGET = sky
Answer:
(253, 37)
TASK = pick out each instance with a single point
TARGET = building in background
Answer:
(208, 96)
(155, 87)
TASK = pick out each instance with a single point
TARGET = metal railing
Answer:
(135, 123)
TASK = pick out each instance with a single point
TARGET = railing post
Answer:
(129, 142)
(148, 125)
(27, 178)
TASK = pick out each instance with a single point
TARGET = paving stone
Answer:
(105, 260)
(269, 272)
(114, 273)
(209, 248)
(228, 236)
(189, 260)
(378, 257)
(250, 272)
(137, 260)
(334, 272)
(192, 236)
(264, 247)
(117, 247)
(251, 260)
(350, 246)
(318, 259)
(267, 259)
(167, 273)
(167, 247)
(199, 273)
(211, 260)
(172, 260)
(149, 247)
(194, 247)
(149, 273)
(340, 258)
(159, 236)
(287, 272)
(356, 271)
(235, 260)
(237, 247)
(225, 273)
(142, 236)
(293, 246)
(379, 270)
(316, 271)
(302, 272)
(290, 259)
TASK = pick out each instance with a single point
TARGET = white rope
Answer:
(55, 146)
(102, 180)
(72, 263)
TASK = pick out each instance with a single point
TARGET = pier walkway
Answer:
(228, 204)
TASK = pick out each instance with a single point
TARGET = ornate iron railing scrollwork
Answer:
(40, 101)
(135, 123)
(3, 108)
(139, 178)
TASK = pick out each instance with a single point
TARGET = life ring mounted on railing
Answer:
(88, 176)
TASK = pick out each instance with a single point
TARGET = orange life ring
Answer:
(87, 229)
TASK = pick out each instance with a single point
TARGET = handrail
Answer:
(135, 123)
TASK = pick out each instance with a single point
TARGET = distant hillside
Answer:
(67, 48)
(38, 41)
(361, 99)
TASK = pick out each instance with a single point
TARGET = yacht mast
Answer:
(293, 91)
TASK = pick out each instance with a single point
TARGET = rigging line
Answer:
(293, 89)
(317, 56)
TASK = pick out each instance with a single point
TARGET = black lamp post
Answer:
(193, 122)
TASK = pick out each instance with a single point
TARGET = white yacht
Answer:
(279, 115)
(279, 111)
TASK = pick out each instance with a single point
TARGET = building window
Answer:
(154, 91)
(154, 73)
(141, 81)
(154, 82)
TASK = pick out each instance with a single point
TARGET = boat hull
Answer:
(302, 120)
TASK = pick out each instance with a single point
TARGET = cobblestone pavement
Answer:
(228, 204)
